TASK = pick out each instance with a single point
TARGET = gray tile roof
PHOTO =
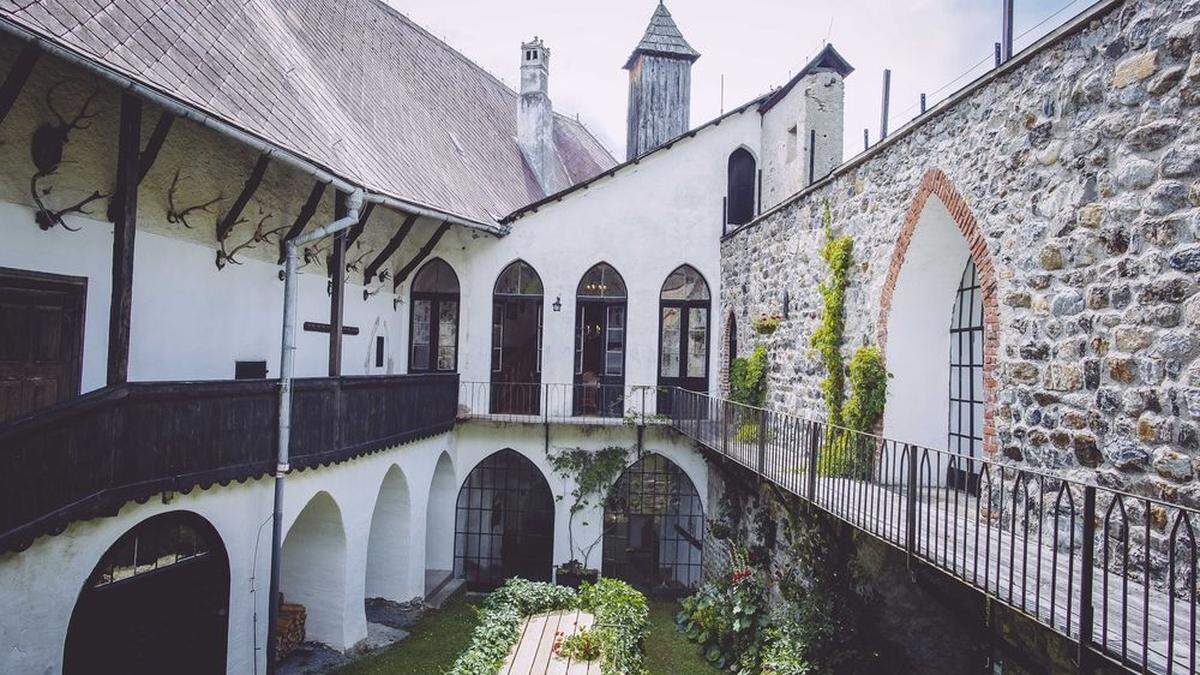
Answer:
(350, 84)
(663, 37)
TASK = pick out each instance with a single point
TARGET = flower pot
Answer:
(573, 579)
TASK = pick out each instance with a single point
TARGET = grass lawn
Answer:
(433, 645)
(667, 650)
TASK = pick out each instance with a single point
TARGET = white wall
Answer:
(814, 103)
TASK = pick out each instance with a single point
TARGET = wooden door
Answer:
(41, 339)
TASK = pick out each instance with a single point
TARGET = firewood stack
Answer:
(289, 628)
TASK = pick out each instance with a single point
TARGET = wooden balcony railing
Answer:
(87, 457)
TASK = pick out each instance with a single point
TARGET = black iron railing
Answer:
(580, 403)
(87, 457)
(1113, 571)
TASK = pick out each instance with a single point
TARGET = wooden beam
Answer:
(357, 230)
(146, 159)
(17, 76)
(388, 250)
(306, 213)
(420, 256)
(226, 224)
(337, 298)
(124, 228)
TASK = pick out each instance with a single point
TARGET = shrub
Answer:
(868, 390)
(728, 618)
(748, 378)
(622, 623)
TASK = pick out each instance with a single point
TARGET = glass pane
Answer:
(697, 342)
(519, 279)
(602, 281)
(447, 334)
(669, 359)
(614, 347)
(685, 283)
(435, 277)
(420, 335)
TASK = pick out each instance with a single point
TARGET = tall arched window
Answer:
(517, 341)
(683, 334)
(158, 598)
(600, 343)
(966, 378)
(433, 321)
(740, 204)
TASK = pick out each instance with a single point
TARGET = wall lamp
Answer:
(557, 306)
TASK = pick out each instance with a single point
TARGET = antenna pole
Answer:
(887, 92)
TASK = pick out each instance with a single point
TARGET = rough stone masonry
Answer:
(1080, 166)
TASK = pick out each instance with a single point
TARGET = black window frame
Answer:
(435, 300)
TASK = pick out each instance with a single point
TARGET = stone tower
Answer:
(535, 116)
(660, 85)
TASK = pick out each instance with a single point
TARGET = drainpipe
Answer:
(286, 365)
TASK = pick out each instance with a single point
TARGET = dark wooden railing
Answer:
(87, 457)
(1113, 571)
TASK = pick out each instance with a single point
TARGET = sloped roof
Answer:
(350, 84)
(828, 59)
(663, 38)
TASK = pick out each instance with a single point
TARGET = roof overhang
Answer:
(828, 60)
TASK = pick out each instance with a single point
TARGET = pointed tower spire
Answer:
(660, 85)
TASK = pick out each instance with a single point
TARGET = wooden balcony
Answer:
(87, 457)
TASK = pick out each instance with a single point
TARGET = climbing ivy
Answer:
(827, 338)
(593, 474)
(748, 378)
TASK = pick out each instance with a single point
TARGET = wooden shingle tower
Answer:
(660, 85)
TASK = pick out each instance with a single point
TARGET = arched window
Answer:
(433, 321)
(517, 341)
(600, 343)
(740, 199)
(504, 523)
(654, 527)
(966, 377)
(683, 334)
(158, 598)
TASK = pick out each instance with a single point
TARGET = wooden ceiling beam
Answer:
(392, 245)
(306, 213)
(17, 76)
(421, 255)
(231, 217)
(145, 159)
(356, 230)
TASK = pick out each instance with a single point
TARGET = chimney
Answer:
(660, 85)
(535, 117)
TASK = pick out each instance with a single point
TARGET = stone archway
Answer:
(439, 525)
(313, 570)
(388, 546)
(939, 236)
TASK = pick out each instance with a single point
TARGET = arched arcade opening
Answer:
(439, 523)
(157, 601)
(504, 523)
(389, 545)
(313, 570)
(654, 528)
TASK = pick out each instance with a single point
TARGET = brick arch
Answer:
(935, 182)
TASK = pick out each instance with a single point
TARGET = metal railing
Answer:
(1113, 571)
(580, 403)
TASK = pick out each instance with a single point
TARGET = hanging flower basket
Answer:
(765, 324)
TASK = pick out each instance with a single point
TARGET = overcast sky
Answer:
(754, 44)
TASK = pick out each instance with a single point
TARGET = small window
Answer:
(792, 143)
(250, 370)
(378, 351)
(741, 187)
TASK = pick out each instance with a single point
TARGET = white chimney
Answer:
(535, 116)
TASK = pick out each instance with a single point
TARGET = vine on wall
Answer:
(827, 338)
(593, 474)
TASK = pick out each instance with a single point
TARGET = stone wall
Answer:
(1078, 163)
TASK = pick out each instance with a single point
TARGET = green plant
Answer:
(593, 474)
(766, 324)
(827, 338)
(622, 623)
(748, 378)
(868, 389)
(728, 617)
(500, 620)
(581, 646)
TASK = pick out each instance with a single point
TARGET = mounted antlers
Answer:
(356, 264)
(383, 276)
(46, 149)
(177, 215)
(260, 235)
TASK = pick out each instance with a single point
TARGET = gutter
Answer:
(287, 352)
(239, 134)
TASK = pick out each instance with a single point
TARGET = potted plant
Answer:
(572, 574)
(593, 474)
(766, 324)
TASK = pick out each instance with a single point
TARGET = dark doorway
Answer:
(41, 339)
(741, 187)
(517, 341)
(683, 335)
(654, 528)
(433, 321)
(504, 523)
(600, 343)
(157, 602)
